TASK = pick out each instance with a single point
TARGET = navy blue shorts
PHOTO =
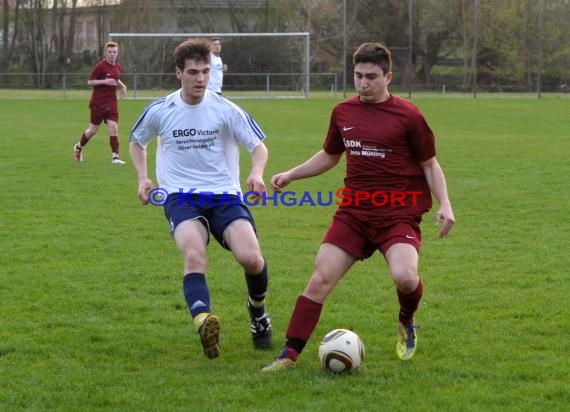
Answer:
(215, 212)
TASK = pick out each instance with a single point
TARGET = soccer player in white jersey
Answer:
(218, 68)
(197, 169)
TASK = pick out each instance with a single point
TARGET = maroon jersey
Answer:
(105, 97)
(384, 144)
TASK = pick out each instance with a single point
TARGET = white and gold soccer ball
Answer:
(341, 350)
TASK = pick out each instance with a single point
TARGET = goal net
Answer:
(260, 65)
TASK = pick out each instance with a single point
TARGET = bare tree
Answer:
(34, 39)
(63, 30)
(519, 43)
(8, 41)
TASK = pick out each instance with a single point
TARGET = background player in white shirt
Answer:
(217, 67)
(197, 169)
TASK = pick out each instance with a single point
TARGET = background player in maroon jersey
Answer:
(389, 148)
(105, 78)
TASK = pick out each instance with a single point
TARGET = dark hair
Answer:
(215, 39)
(192, 49)
(375, 53)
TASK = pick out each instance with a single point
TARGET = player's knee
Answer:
(319, 286)
(194, 259)
(251, 261)
(91, 131)
(406, 279)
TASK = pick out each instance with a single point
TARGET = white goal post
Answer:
(261, 65)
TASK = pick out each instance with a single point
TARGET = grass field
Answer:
(92, 315)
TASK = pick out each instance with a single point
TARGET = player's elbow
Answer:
(332, 161)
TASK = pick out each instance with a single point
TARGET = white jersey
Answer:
(216, 74)
(198, 145)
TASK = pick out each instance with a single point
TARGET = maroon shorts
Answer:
(99, 115)
(361, 238)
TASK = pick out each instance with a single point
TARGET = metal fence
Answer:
(147, 85)
(246, 85)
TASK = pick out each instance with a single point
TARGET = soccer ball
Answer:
(341, 350)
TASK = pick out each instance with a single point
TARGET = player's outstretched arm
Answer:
(318, 164)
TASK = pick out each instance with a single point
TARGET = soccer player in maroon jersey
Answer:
(389, 147)
(105, 79)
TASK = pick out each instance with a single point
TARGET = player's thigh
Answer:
(242, 241)
(331, 264)
(191, 237)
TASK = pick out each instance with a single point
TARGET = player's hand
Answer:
(122, 92)
(279, 181)
(255, 184)
(445, 219)
(110, 82)
(145, 186)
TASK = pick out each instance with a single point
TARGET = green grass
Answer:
(92, 315)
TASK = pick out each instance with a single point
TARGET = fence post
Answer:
(64, 84)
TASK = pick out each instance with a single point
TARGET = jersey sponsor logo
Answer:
(356, 148)
(194, 132)
(197, 143)
(371, 153)
(351, 144)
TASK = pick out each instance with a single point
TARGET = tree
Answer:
(34, 39)
(39, 35)
(8, 41)
(63, 24)
(556, 44)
